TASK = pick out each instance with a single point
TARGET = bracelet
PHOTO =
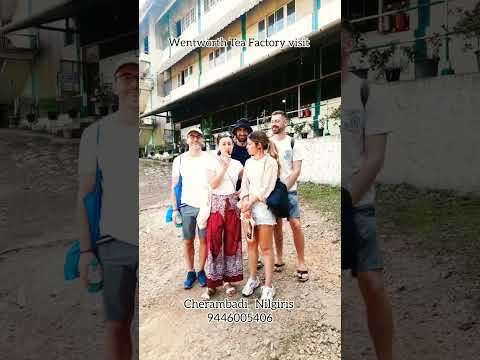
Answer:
(86, 251)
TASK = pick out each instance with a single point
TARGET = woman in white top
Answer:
(259, 178)
(224, 241)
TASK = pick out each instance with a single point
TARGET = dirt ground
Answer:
(431, 250)
(41, 315)
(169, 331)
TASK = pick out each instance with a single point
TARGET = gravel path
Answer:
(310, 331)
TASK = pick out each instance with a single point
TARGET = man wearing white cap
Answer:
(192, 166)
(113, 142)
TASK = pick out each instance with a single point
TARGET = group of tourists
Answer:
(224, 200)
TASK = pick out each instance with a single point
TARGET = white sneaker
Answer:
(250, 286)
(267, 293)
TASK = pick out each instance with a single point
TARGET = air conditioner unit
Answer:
(166, 76)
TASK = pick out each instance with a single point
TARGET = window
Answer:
(185, 22)
(219, 56)
(209, 4)
(279, 20)
(229, 52)
(193, 17)
(290, 13)
(261, 30)
(358, 9)
(178, 28)
(68, 38)
(271, 25)
(184, 76)
(276, 21)
(145, 45)
(211, 60)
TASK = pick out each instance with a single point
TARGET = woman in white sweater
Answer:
(258, 181)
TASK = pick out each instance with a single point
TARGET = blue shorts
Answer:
(294, 211)
(369, 256)
(189, 223)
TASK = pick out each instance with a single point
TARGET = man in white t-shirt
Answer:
(117, 249)
(192, 166)
(364, 134)
(291, 156)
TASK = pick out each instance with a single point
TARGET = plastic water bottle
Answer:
(178, 220)
(95, 279)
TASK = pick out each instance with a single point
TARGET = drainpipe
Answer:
(316, 9)
(199, 17)
(199, 51)
(83, 96)
(423, 23)
(447, 70)
(244, 38)
(34, 41)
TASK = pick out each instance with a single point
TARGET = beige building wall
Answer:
(52, 50)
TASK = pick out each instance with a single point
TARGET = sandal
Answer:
(259, 264)
(229, 289)
(302, 275)
(207, 295)
(278, 267)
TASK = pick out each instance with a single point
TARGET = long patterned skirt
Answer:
(224, 242)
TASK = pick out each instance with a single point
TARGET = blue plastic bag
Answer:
(93, 206)
(169, 215)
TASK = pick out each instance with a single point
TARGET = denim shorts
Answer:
(294, 207)
(369, 256)
(119, 267)
(262, 215)
(189, 221)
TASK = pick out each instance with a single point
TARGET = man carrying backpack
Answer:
(192, 167)
(291, 156)
(364, 135)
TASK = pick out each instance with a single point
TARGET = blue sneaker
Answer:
(202, 278)
(190, 279)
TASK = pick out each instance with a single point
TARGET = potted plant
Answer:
(73, 113)
(31, 117)
(299, 128)
(336, 115)
(305, 130)
(361, 68)
(468, 26)
(381, 61)
(425, 66)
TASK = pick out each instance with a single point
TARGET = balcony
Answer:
(18, 47)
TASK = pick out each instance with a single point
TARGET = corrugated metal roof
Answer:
(223, 22)
(51, 14)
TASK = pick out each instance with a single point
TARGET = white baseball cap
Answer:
(195, 129)
(127, 60)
